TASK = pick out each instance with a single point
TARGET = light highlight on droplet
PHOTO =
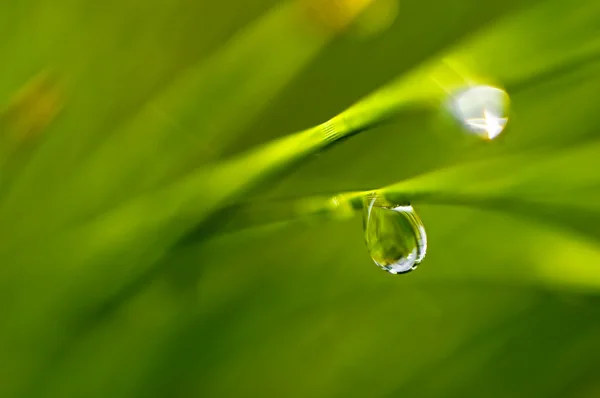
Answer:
(482, 110)
(395, 236)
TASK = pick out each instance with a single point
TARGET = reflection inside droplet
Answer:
(482, 110)
(395, 235)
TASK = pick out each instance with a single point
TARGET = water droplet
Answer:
(482, 110)
(395, 235)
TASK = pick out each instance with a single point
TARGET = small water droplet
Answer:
(395, 235)
(482, 110)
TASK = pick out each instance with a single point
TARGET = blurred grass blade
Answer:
(184, 126)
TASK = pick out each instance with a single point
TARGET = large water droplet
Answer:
(482, 110)
(395, 236)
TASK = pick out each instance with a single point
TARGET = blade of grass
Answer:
(274, 211)
(536, 186)
(216, 97)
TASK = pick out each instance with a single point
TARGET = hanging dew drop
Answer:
(395, 236)
(482, 110)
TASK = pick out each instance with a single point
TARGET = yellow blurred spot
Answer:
(334, 15)
(376, 18)
(32, 109)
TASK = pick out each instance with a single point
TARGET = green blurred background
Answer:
(107, 292)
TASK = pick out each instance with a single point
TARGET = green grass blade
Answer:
(202, 110)
(539, 187)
